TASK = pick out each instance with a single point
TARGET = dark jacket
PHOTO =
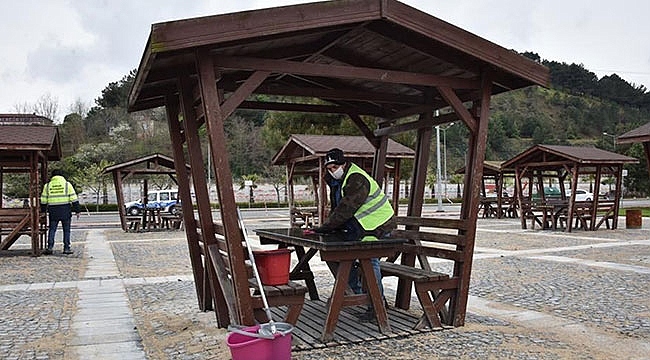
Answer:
(356, 191)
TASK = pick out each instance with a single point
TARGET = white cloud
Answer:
(72, 49)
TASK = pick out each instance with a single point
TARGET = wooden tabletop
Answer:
(333, 241)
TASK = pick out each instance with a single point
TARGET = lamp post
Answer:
(613, 139)
(438, 176)
(444, 152)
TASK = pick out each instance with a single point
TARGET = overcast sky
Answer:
(71, 50)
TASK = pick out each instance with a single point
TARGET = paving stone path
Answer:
(533, 295)
(103, 325)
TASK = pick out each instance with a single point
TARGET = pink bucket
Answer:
(245, 347)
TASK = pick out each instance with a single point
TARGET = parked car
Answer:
(581, 195)
(167, 200)
(550, 192)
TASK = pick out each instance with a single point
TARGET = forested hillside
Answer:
(577, 109)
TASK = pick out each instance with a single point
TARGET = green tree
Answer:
(277, 176)
(246, 150)
(116, 94)
(72, 133)
(431, 181)
(93, 178)
(637, 182)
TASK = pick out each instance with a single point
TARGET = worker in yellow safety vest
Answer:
(359, 210)
(59, 199)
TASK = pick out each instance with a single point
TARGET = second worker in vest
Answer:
(60, 200)
(359, 208)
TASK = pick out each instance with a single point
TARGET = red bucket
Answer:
(273, 266)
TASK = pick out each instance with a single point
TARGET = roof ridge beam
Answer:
(343, 72)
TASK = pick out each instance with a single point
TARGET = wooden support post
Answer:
(422, 151)
(462, 270)
(211, 289)
(211, 101)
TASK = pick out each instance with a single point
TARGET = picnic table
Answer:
(550, 213)
(333, 248)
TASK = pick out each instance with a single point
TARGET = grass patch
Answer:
(645, 211)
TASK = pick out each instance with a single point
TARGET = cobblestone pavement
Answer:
(533, 295)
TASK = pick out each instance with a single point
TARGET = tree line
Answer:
(576, 109)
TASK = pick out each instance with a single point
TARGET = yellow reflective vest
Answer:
(376, 209)
(58, 192)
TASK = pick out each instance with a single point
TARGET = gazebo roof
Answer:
(413, 50)
(491, 168)
(316, 146)
(149, 165)
(640, 134)
(15, 139)
(553, 156)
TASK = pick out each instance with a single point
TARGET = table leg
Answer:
(336, 300)
(302, 271)
(375, 295)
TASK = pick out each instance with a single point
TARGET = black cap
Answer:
(335, 156)
(57, 172)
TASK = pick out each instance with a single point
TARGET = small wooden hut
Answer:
(155, 164)
(27, 143)
(561, 163)
(638, 135)
(497, 203)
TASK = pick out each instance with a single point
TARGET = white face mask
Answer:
(337, 174)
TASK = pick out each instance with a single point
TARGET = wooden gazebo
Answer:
(498, 205)
(304, 155)
(27, 143)
(154, 164)
(559, 163)
(638, 135)
(374, 58)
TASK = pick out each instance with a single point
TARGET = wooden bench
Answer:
(15, 222)
(172, 221)
(586, 219)
(591, 218)
(291, 295)
(435, 290)
(135, 223)
(529, 212)
(605, 211)
(300, 217)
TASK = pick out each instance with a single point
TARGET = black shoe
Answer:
(47, 251)
(68, 251)
(367, 316)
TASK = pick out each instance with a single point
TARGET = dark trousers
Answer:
(54, 223)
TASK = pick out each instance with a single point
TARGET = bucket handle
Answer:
(265, 335)
(251, 334)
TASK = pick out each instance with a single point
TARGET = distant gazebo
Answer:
(27, 143)
(155, 164)
(557, 162)
(638, 135)
(304, 155)
(501, 204)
